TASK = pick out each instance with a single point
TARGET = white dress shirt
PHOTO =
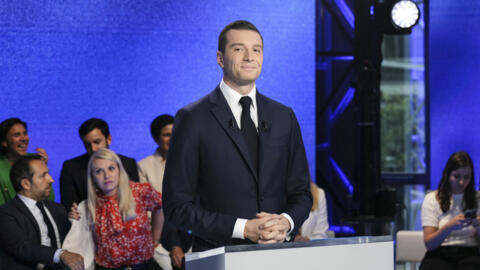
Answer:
(37, 214)
(233, 100)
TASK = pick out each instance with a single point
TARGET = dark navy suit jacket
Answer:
(210, 180)
(20, 239)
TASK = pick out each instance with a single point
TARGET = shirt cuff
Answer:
(56, 256)
(292, 225)
(239, 228)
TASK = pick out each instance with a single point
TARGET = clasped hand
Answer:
(267, 228)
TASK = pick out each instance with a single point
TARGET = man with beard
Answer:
(33, 229)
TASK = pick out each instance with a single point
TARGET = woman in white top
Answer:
(316, 225)
(450, 234)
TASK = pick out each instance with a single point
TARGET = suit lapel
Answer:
(24, 210)
(224, 116)
(264, 127)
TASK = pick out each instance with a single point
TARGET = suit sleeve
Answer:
(68, 194)
(18, 245)
(170, 238)
(299, 197)
(175, 238)
(180, 186)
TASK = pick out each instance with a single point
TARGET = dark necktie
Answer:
(51, 232)
(249, 130)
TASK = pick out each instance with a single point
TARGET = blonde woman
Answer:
(117, 212)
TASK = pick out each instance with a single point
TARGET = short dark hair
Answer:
(158, 123)
(92, 124)
(237, 25)
(5, 127)
(21, 169)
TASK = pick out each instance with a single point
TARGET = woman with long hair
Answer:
(451, 228)
(117, 212)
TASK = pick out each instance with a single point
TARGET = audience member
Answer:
(95, 135)
(14, 141)
(316, 225)
(117, 209)
(451, 229)
(32, 228)
(152, 167)
(174, 242)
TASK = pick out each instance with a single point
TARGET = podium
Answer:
(359, 253)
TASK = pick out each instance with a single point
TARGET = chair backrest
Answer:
(410, 246)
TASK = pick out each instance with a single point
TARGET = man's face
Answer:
(163, 140)
(95, 140)
(17, 140)
(41, 184)
(243, 57)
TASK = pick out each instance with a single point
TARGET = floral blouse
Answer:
(121, 243)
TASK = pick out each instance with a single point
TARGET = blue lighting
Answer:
(372, 10)
(347, 13)
(322, 146)
(342, 175)
(343, 58)
(343, 104)
(64, 62)
(342, 229)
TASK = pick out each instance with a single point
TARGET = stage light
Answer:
(405, 14)
(396, 17)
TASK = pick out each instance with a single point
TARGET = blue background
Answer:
(62, 62)
(454, 82)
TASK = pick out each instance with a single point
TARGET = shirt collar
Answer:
(233, 97)
(29, 202)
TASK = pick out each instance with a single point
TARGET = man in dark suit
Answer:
(32, 228)
(236, 171)
(95, 135)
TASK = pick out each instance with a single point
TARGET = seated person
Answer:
(118, 211)
(13, 145)
(32, 228)
(451, 238)
(95, 135)
(151, 170)
(316, 225)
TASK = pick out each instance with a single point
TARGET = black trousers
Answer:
(451, 258)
